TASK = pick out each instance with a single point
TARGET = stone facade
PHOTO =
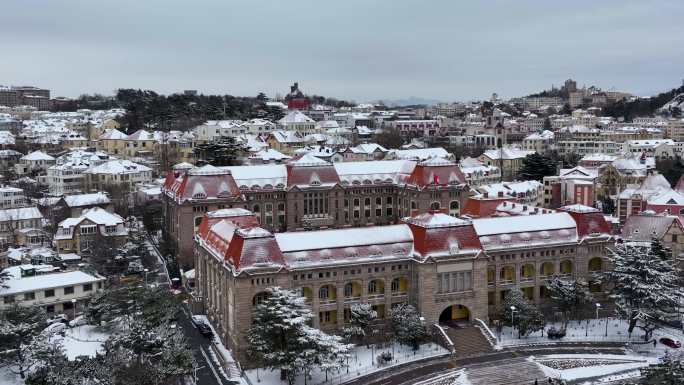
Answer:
(448, 268)
(309, 193)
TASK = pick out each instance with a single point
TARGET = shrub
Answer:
(383, 358)
(554, 333)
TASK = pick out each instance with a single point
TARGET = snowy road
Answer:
(208, 373)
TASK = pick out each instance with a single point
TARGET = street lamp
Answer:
(513, 310)
(598, 306)
(146, 271)
(73, 306)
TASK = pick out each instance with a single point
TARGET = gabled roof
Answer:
(81, 200)
(37, 155)
(113, 134)
(206, 182)
(645, 226)
(435, 171)
(295, 116)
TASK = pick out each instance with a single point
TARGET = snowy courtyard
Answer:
(362, 361)
(593, 330)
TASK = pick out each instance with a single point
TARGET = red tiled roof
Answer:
(426, 175)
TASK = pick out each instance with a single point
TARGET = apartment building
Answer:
(44, 286)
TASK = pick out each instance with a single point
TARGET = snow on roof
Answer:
(544, 135)
(227, 213)
(507, 153)
(37, 155)
(519, 224)
(269, 154)
(420, 153)
(208, 169)
(578, 208)
(87, 199)
(434, 220)
(599, 157)
(260, 175)
(119, 166)
(17, 284)
(308, 160)
(113, 134)
(326, 239)
(183, 166)
(295, 116)
(666, 197)
(17, 214)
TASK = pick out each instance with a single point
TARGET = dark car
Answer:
(671, 343)
(204, 329)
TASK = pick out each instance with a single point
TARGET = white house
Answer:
(42, 285)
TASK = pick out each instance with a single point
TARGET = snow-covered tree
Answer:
(21, 341)
(362, 315)
(280, 337)
(669, 372)
(526, 317)
(645, 286)
(130, 303)
(408, 327)
(570, 296)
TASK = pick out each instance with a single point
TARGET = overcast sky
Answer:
(354, 49)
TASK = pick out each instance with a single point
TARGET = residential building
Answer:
(15, 219)
(56, 292)
(34, 163)
(508, 159)
(12, 197)
(121, 173)
(539, 142)
(644, 227)
(96, 225)
(296, 121)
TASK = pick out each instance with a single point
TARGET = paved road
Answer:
(208, 372)
(413, 373)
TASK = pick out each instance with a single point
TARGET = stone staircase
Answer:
(518, 371)
(468, 340)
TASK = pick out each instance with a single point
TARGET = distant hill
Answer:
(664, 103)
(410, 101)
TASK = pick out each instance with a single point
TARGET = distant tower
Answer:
(296, 99)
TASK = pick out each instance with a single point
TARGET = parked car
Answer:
(205, 330)
(61, 318)
(671, 343)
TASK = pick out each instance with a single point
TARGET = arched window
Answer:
(595, 264)
(566, 267)
(372, 287)
(256, 208)
(434, 206)
(323, 292)
(395, 285)
(348, 289)
(259, 298)
(453, 208)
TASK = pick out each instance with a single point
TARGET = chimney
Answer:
(513, 205)
(505, 203)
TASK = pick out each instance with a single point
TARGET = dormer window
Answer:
(199, 196)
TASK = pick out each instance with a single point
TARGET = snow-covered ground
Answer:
(571, 367)
(85, 340)
(578, 331)
(361, 362)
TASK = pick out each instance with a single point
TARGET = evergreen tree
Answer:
(280, 337)
(362, 315)
(536, 167)
(669, 372)
(21, 340)
(407, 325)
(569, 295)
(526, 317)
(645, 285)
(608, 205)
